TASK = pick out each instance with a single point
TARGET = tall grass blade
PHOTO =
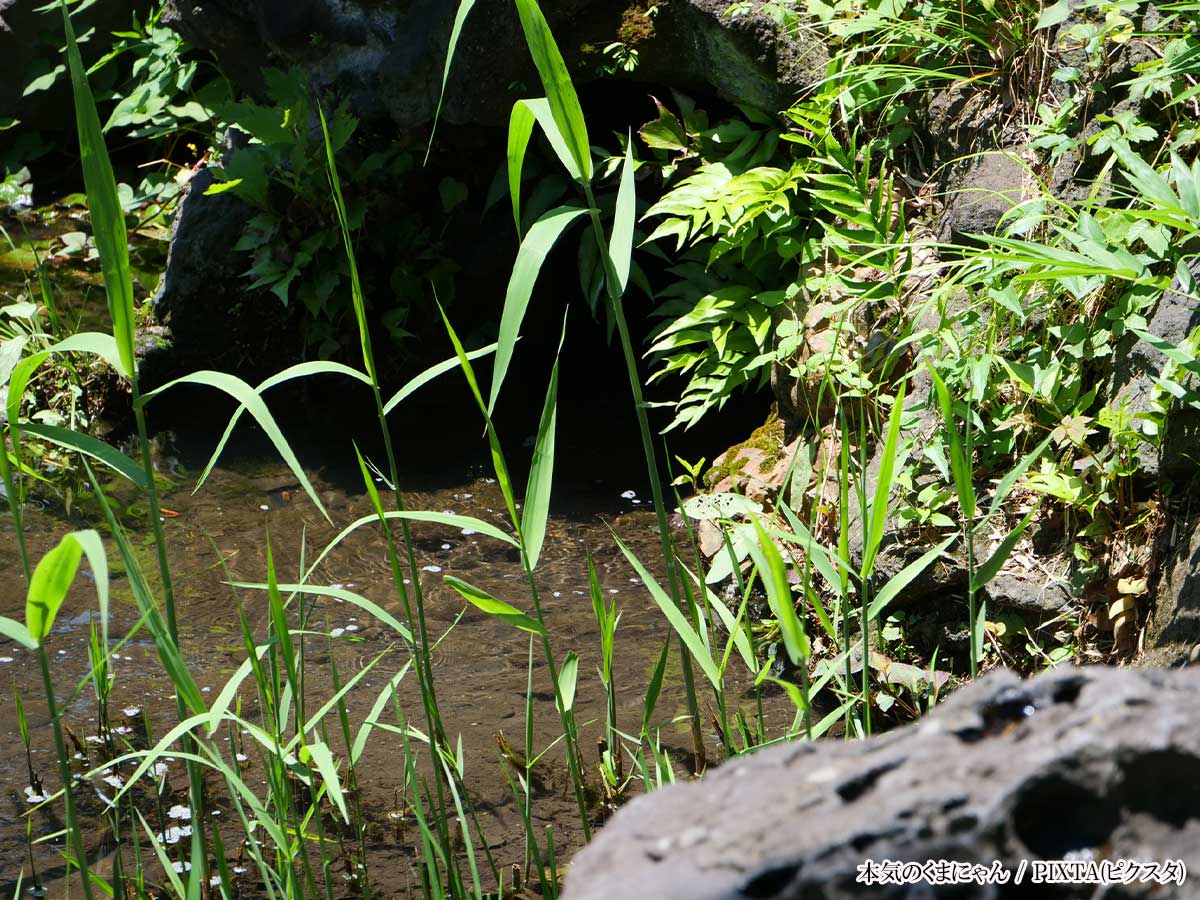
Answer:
(620, 244)
(536, 513)
(890, 462)
(560, 92)
(779, 596)
(460, 19)
(542, 236)
(693, 641)
(104, 207)
(247, 397)
(417, 382)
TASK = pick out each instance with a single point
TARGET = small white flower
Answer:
(628, 495)
(179, 811)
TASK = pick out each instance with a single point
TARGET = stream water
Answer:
(480, 664)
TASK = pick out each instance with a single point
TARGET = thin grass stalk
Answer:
(74, 832)
(652, 468)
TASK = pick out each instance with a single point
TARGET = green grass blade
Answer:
(678, 620)
(904, 577)
(985, 573)
(321, 756)
(520, 129)
(568, 675)
(419, 381)
(495, 608)
(104, 207)
(15, 631)
(556, 80)
(959, 464)
(541, 474)
(455, 521)
(347, 596)
(460, 19)
(877, 518)
(1005, 484)
(620, 244)
(300, 370)
(542, 236)
(97, 342)
(90, 446)
(779, 596)
(93, 549)
(247, 397)
(48, 588)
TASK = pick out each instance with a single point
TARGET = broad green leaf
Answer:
(567, 677)
(246, 396)
(322, 757)
(18, 381)
(15, 631)
(93, 548)
(48, 588)
(93, 447)
(104, 206)
(541, 473)
(556, 80)
(102, 345)
(678, 620)
(779, 595)
(520, 129)
(419, 381)
(460, 19)
(1054, 14)
(534, 247)
(498, 609)
(620, 245)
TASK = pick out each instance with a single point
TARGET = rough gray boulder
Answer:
(387, 58)
(986, 188)
(1135, 370)
(1173, 629)
(1090, 764)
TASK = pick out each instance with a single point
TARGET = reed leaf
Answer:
(48, 588)
(414, 384)
(620, 244)
(90, 446)
(536, 513)
(541, 237)
(494, 607)
(560, 92)
(104, 207)
(249, 398)
(460, 19)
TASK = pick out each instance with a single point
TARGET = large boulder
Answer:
(1087, 764)
(1138, 367)
(388, 58)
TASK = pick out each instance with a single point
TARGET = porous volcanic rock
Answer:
(387, 58)
(1092, 764)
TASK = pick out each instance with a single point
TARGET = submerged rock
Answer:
(1088, 764)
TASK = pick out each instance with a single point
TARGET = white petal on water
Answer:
(352, 628)
(337, 632)
(132, 711)
(469, 531)
(263, 507)
(6, 659)
(33, 796)
(179, 811)
(431, 568)
(628, 495)
(445, 546)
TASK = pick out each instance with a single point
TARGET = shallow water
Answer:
(480, 663)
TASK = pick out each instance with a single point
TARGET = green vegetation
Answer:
(946, 395)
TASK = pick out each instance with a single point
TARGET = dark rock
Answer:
(1093, 763)
(1136, 367)
(387, 58)
(987, 188)
(203, 296)
(1173, 629)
